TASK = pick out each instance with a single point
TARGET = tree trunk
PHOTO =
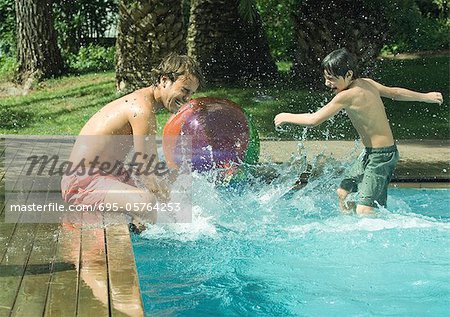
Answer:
(322, 26)
(147, 32)
(228, 47)
(38, 54)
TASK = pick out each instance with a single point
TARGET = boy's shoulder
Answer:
(362, 85)
(357, 90)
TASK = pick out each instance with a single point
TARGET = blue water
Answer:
(262, 250)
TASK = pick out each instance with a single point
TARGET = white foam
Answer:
(201, 227)
(350, 224)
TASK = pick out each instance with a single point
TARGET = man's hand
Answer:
(159, 186)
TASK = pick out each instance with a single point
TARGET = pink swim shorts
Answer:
(91, 188)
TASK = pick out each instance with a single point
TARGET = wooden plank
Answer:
(6, 232)
(63, 284)
(79, 281)
(32, 294)
(29, 288)
(14, 263)
(6, 165)
(93, 280)
(31, 297)
(13, 166)
(124, 290)
(16, 247)
(63, 289)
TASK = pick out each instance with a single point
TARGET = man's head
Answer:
(178, 77)
(339, 69)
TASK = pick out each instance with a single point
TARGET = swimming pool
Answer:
(259, 252)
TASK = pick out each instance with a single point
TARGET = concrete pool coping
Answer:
(422, 161)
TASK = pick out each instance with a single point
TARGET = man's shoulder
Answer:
(139, 100)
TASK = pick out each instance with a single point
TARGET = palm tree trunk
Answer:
(227, 46)
(322, 26)
(147, 32)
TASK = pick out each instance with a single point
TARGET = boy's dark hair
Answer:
(339, 62)
(174, 65)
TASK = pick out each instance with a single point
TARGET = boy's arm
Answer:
(402, 94)
(316, 118)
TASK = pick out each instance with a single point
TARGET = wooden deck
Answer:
(50, 269)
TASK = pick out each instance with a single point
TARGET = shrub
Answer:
(412, 29)
(7, 68)
(7, 28)
(91, 58)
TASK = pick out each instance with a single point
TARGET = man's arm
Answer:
(402, 94)
(316, 118)
(143, 123)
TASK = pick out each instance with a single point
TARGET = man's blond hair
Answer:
(174, 65)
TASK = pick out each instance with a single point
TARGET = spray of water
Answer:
(274, 198)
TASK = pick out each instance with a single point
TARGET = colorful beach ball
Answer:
(210, 133)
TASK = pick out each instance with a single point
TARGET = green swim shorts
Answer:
(370, 175)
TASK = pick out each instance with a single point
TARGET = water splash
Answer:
(271, 198)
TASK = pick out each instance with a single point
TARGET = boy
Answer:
(361, 99)
(128, 123)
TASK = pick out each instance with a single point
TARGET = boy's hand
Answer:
(280, 118)
(434, 97)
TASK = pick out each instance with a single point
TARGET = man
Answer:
(124, 125)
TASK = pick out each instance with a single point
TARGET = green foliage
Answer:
(12, 119)
(7, 68)
(91, 58)
(247, 10)
(81, 20)
(7, 28)
(413, 25)
(434, 9)
(57, 106)
(417, 26)
(278, 23)
(63, 106)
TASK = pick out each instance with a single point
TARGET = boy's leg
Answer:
(363, 210)
(374, 186)
(346, 207)
(350, 183)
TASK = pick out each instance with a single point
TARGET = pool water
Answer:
(263, 250)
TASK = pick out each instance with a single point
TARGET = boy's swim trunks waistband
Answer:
(387, 149)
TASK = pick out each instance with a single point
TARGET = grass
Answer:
(62, 106)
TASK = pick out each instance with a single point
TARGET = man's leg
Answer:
(131, 200)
